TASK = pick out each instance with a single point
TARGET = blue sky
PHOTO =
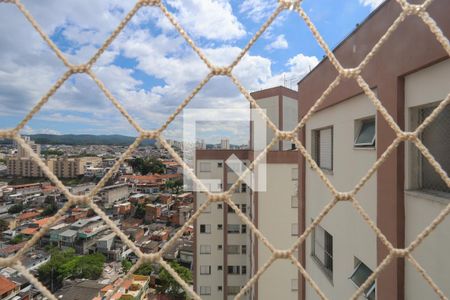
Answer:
(149, 68)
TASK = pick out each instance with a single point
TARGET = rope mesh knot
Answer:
(407, 9)
(221, 71)
(79, 69)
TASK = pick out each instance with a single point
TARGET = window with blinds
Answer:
(322, 249)
(322, 147)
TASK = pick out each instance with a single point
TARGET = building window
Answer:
(233, 270)
(243, 188)
(294, 229)
(294, 201)
(219, 165)
(219, 247)
(244, 228)
(219, 268)
(233, 290)
(219, 206)
(205, 228)
(322, 249)
(243, 270)
(294, 284)
(233, 249)
(233, 228)
(244, 208)
(205, 290)
(205, 249)
(219, 288)
(322, 147)
(205, 167)
(435, 138)
(360, 275)
(365, 133)
(244, 249)
(231, 210)
(205, 270)
(219, 226)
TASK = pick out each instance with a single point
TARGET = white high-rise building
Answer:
(224, 144)
(226, 253)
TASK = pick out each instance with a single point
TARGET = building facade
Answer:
(226, 253)
(409, 74)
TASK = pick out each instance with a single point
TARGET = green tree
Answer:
(140, 211)
(65, 264)
(4, 225)
(50, 207)
(126, 265)
(17, 239)
(16, 208)
(175, 186)
(147, 165)
(145, 269)
(169, 286)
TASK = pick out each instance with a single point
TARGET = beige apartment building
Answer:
(410, 75)
(68, 167)
(22, 165)
(226, 253)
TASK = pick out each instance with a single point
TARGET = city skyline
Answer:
(150, 89)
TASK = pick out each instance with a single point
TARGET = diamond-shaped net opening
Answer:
(418, 10)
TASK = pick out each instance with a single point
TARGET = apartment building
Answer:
(65, 167)
(226, 253)
(409, 75)
(21, 164)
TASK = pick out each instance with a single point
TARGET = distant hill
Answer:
(86, 139)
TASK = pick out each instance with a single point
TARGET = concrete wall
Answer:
(426, 86)
(272, 108)
(275, 219)
(352, 237)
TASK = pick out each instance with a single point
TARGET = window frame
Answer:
(205, 231)
(233, 231)
(372, 286)
(202, 290)
(358, 130)
(208, 267)
(315, 146)
(328, 273)
(203, 247)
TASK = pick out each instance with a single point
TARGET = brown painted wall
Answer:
(411, 47)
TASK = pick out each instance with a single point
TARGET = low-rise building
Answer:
(114, 193)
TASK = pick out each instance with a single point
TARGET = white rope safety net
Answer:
(352, 73)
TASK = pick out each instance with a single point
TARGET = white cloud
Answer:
(28, 130)
(372, 3)
(298, 66)
(28, 68)
(257, 10)
(279, 43)
(211, 19)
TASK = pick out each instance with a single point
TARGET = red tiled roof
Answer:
(5, 251)
(29, 231)
(6, 285)
(28, 215)
(42, 222)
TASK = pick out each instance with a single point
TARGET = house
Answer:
(152, 212)
(7, 288)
